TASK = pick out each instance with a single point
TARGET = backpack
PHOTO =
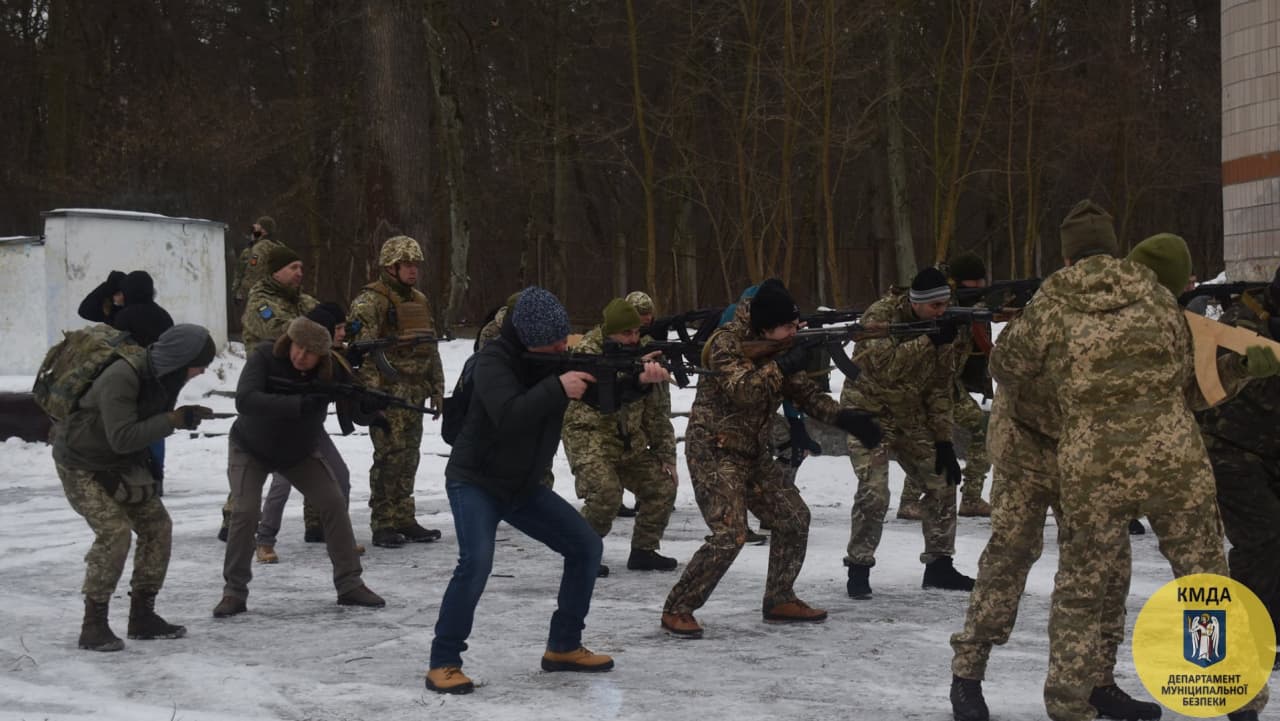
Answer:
(72, 364)
(456, 405)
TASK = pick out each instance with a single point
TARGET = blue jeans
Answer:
(545, 517)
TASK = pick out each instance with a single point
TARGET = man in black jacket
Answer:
(502, 453)
(282, 432)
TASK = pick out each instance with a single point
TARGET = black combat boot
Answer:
(95, 633)
(1136, 528)
(939, 573)
(625, 511)
(642, 560)
(415, 533)
(859, 585)
(222, 534)
(1243, 716)
(313, 535)
(602, 572)
(967, 703)
(144, 623)
(387, 538)
(1112, 702)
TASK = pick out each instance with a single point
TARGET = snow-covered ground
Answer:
(298, 656)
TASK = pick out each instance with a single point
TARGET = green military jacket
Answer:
(269, 310)
(419, 366)
(252, 266)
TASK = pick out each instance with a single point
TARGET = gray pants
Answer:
(278, 494)
(318, 483)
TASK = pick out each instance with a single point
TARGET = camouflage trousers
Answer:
(112, 523)
(1092, 538)
(1019, 500)
(968, 415)
(395, 463)
(599, 482)
(1249, 499)
(913, 448)
(726, 486)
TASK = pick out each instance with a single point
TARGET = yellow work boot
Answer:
(974, 508)
(579, 659)
(683, 625)
(449, 679)
(266, 554)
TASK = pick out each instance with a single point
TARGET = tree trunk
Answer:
(904, 244)
(685, 247)
(646, 153)
(451, 131)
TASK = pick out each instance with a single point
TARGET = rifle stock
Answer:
(1206, 337)
(349, 391)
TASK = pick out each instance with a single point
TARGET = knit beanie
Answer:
(772, 306)
(138, 287)
(328, 314)
(309, 336)
(641, 302)
(1088, 230)
(967, 266)
(146, 322)
(929, 286)
(538, 318)
(183, 346)
(1168, 256)
(279, 257)
(619, 316)
(268, 224)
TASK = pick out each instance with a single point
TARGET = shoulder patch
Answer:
(253, 259)
(265, 312)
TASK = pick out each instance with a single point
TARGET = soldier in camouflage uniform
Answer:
(1114, 344)
(632, 448)
(966, 271)
(1243, 440)
(100, 451)
(910, 384)
(386, 308)
(1024, 445)
(730, 459)
(253, 259)
(273, 303)
(491, 329)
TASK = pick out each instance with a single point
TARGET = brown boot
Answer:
(683, 625)
(359, 549)
(145, 624)
(974, 508)
(229, 606)
(910, 510)
(361, 596)
(579, 659)
(95, 633)
(449, 679)
(796, 611)
(266, 554)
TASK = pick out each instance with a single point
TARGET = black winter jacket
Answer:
(512, 427)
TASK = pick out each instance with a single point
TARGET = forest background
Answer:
(685, 147)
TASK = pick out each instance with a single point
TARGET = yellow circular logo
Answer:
(1203, 645)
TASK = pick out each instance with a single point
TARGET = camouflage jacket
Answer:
(734, 410)
(1024, 426)
(419, 366)
(269, 310)
(1116, 348)
(907, 380)
(491, 329)
(633, 428)
(252, 266)
(1250, 421)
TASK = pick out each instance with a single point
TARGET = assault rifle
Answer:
(680, 358)
(704, 318)
(820, 318)
(1000, 294)
(611, 371)
(377, 347)
(1223, 293)
(370, 397)
(834, 339)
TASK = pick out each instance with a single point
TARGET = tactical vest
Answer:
(405, 316)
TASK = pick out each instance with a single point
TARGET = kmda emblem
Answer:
(1204, 637)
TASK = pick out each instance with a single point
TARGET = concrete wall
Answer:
(1251, 138)
(184, 256)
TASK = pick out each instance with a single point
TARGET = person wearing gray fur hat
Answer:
(100, 452)
(283, 432)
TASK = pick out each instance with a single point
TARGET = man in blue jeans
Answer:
(501, 454)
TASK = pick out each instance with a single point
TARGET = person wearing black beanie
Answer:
(731, 461)
(104, 301)
(910, 380)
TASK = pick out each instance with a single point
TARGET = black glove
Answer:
(189, 417)
(312, 402)
(793, 361)
(944, 460)
(801, 442)
(944, 334)
(860, 425)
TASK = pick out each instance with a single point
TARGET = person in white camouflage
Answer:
(392, 307)
(908, 382)
(1109, 337)
(632, 448)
